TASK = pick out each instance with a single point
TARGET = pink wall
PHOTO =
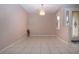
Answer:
(12, 24)
(63, 32)
(42, 25)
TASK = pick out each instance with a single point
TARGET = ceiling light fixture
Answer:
(42, 12)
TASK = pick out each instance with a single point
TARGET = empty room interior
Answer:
(39, 28)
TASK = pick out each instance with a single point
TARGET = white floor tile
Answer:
(40, 45)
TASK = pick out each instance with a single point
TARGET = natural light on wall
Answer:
(58, 20)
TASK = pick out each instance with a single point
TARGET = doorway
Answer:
(75, 26)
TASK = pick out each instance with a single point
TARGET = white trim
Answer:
(11, 44)
(71, 44)
(62, 40)
(43, 35)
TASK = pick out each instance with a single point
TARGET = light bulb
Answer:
(42, 12)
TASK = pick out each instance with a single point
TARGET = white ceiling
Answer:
(49, 8)
(34, 8)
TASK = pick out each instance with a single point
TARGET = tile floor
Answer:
(40, 45)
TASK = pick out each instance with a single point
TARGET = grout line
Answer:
(48, 48)
(63, 40)
(40, 47)
(43, 35)
(11, 44)
(66, 42)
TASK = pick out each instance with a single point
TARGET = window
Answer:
(58, 22)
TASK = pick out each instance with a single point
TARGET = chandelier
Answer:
(42, 12)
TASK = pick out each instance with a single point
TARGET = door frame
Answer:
(70, 21)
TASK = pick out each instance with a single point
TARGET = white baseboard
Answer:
(62, 40)
(11, 44)
(67, 42)
(43, 35)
